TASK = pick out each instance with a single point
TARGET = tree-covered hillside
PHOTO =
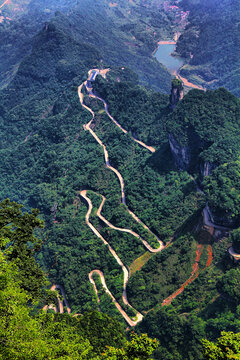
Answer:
(27, 332)
(211, 43)
(204, 135)
(49, 168)
(131, 41)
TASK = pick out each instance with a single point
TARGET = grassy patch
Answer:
(139, 262)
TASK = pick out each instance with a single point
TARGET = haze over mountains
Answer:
(136, 178)
(78, 21)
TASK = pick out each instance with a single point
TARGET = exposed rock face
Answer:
(187, 157)
(216, 218)
(222, 220)
(199, 146)
(182, 155)
(206, 169)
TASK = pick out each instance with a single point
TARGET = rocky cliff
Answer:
(181, 154)
(176, 93)
(202, 133)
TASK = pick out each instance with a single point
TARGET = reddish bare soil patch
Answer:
(194, 273)
(193, 276)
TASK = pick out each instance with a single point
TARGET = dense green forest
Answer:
(27, 332)
(186, 292)
(206, 126)
(69, 242)
(92, 335)
(58, 159)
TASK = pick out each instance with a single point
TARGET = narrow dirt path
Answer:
(210, 256)
(193, 276)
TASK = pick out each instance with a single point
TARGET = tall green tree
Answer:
(227, 347)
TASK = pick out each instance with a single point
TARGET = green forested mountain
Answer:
(211, 43)
(136, 158)
(131, 41)
(206, 127)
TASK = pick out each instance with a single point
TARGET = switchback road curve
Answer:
(91, 77)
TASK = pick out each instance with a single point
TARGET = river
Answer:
(163, 55)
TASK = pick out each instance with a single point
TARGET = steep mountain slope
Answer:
(56, 59)
(26, 331)
(19, 22)
(52, 149)
(211, 43)
(130, 42)
(204, 138)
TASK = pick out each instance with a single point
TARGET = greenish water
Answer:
(163, 55)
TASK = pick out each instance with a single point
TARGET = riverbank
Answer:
(165, 54)
(167, 42)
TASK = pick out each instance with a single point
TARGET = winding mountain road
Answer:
(106, 156)
(60, 303)
(92, 74)
(130, 322)
(83, 193)
(87, 84)
(208, 220)
(150, 148)
(233, 253)
(145, 243)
